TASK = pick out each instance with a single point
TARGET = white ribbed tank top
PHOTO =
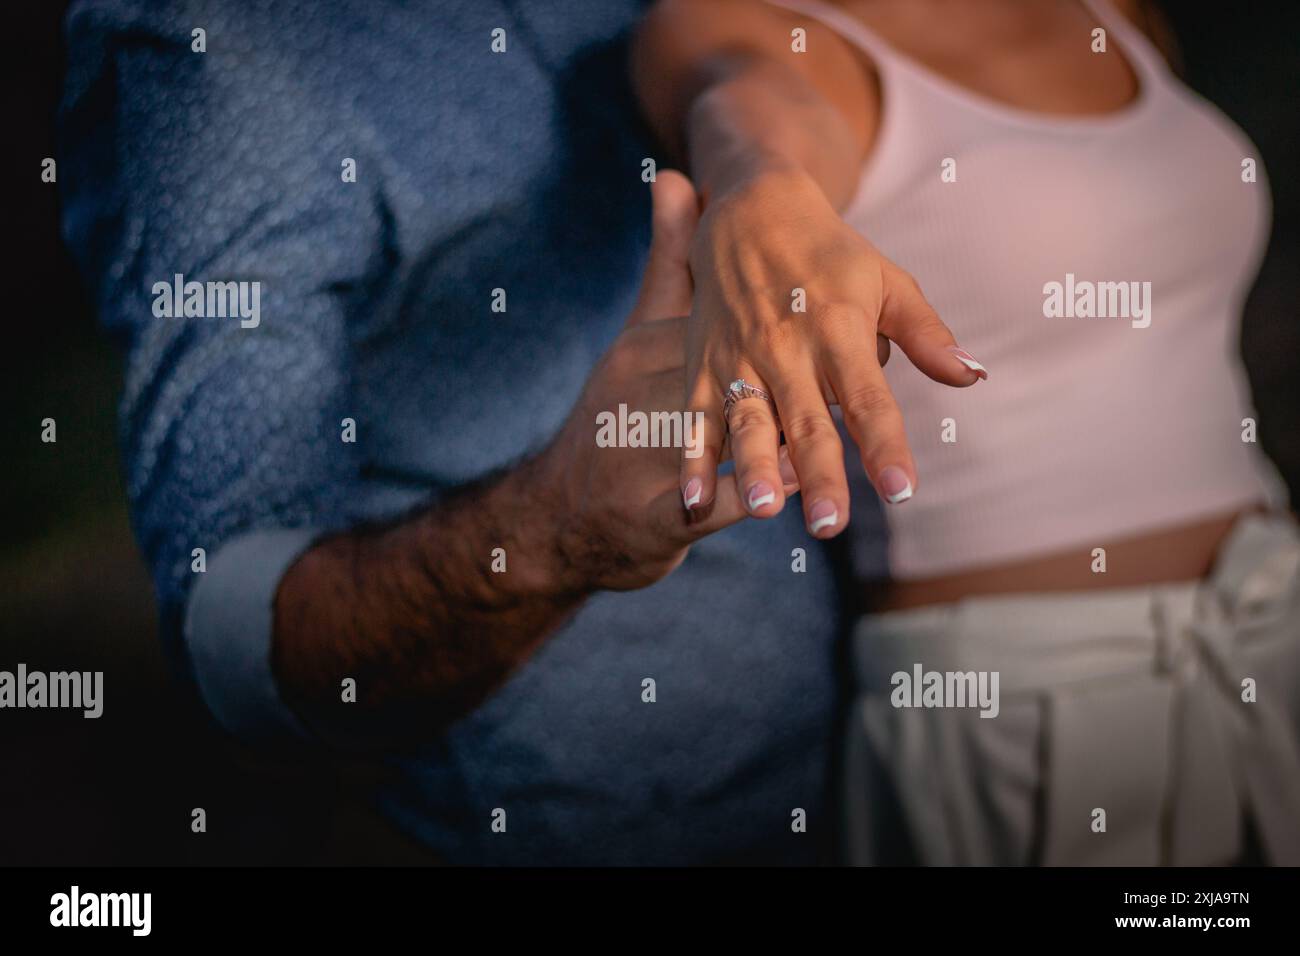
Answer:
(1088, 430)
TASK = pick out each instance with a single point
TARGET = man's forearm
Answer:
(429, 614)
(425, 614)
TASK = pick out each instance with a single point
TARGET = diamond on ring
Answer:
(739, 390)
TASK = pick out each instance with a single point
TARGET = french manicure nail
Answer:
(969, 361)
(895, 484)
(822, 515)
(691, 493)
(760, 493)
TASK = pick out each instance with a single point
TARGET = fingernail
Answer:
(760, 493)
(691, 493)
(969, 361)
(895, 484)
(823, 514)
(786, 468)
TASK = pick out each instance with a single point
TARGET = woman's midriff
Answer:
(1185, 553)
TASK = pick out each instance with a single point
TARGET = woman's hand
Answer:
(760, 249)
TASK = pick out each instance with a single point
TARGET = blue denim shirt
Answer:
(475, 171)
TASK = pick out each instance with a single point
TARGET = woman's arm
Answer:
(775, 140)
(719, 83)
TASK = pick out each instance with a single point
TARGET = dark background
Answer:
(74, 594)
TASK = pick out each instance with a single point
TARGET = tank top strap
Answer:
(1136, 45)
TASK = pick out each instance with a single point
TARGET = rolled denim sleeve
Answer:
(228, 629)
(222, 166)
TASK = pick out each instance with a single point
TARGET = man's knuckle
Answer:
(623, 358)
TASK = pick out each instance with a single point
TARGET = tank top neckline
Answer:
(1141, 57)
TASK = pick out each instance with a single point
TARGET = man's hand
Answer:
(414, 611)
(622, 518)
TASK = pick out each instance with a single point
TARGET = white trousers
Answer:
(1144, 726)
